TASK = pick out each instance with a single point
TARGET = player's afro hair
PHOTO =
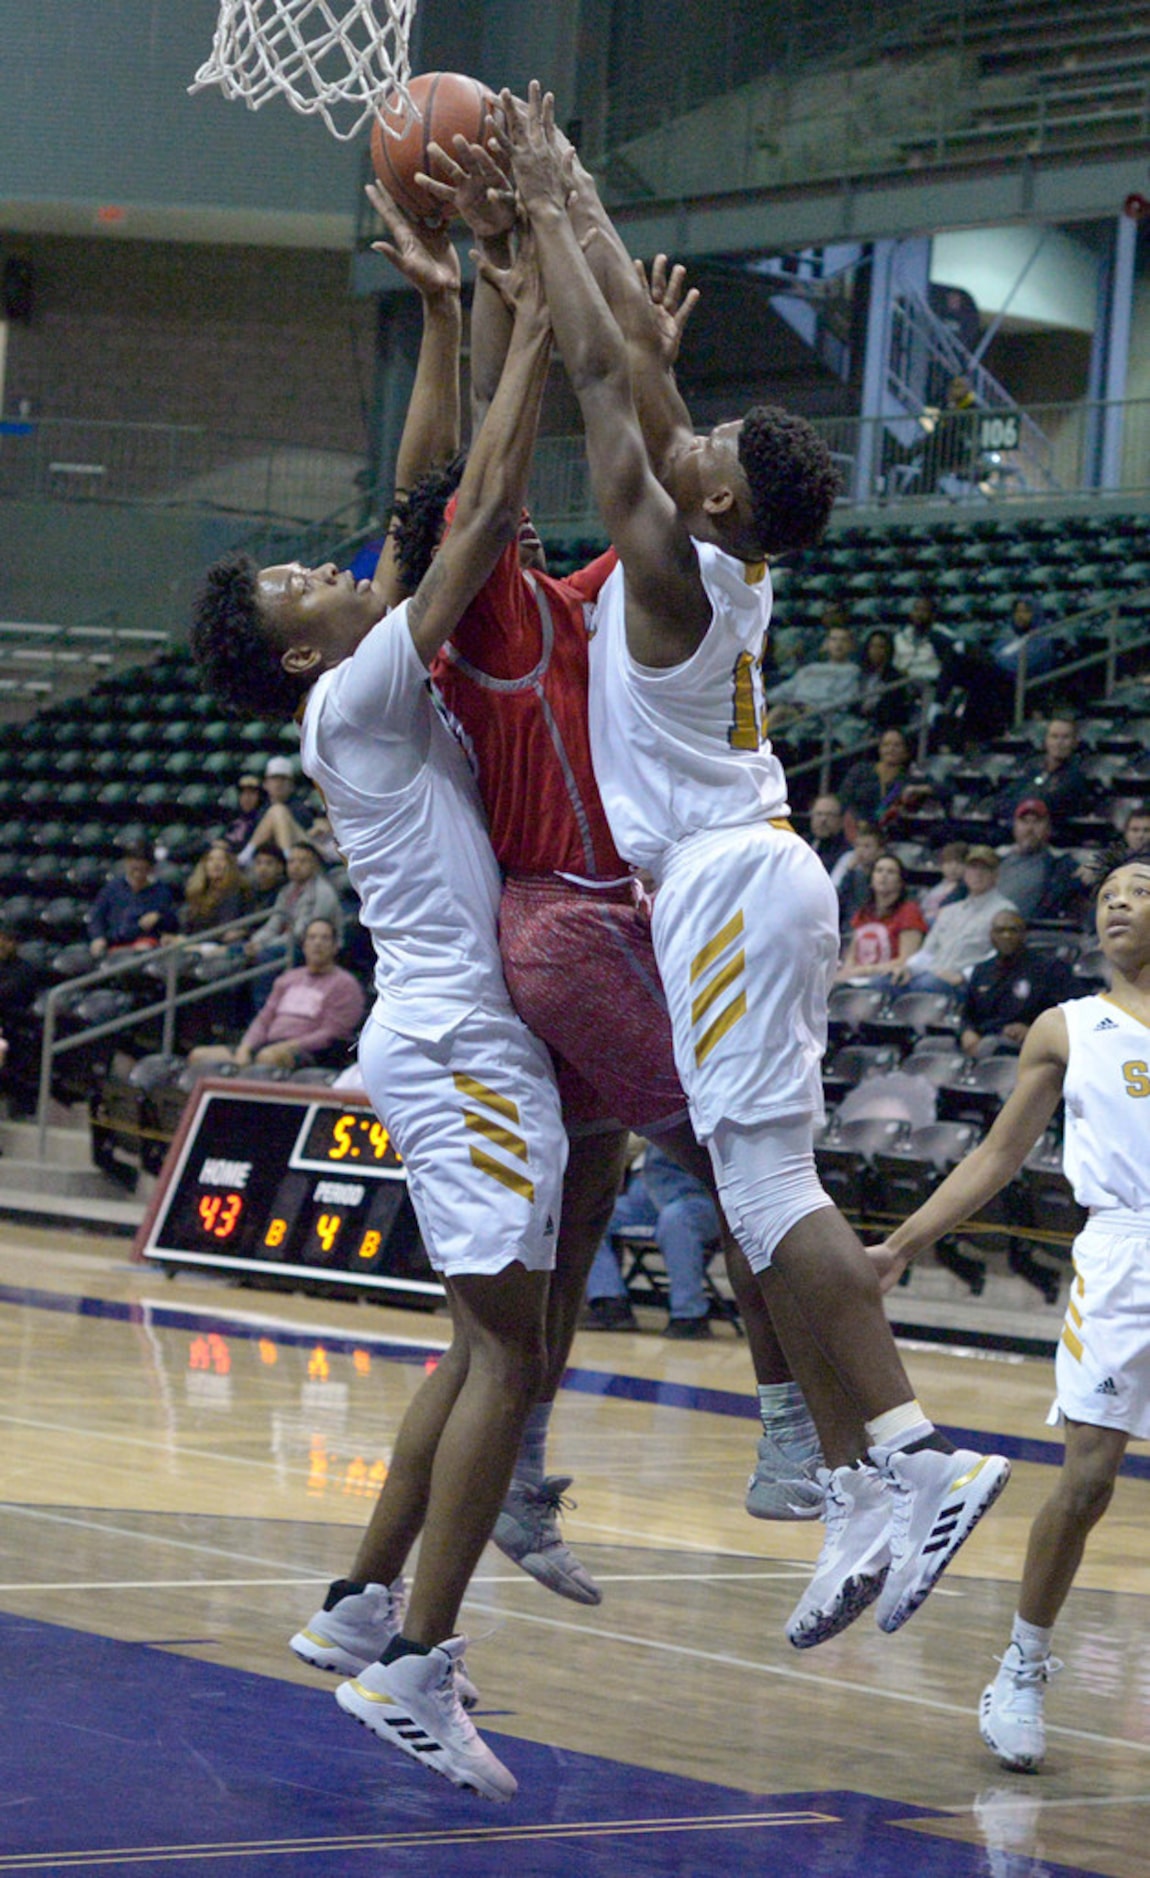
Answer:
(417, 519)
(239, 663)
(792, 477)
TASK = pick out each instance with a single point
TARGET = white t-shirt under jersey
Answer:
(682, 750)
(406, 816)
(1106, 1142)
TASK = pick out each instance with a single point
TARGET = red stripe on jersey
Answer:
(514, 679)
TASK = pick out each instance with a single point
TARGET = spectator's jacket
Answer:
(1014, 991)
(116, 912)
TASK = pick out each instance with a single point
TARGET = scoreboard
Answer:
(287, 1182)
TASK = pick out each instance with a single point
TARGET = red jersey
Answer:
(514, 680)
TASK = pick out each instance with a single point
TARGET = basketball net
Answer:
(335, 58)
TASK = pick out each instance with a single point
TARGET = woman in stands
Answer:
(883, 708)
(888, 928)
(884, 789)
(216, 890)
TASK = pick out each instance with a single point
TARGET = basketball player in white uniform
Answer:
(744, 921)
(1094, 1053)
(467, 1093)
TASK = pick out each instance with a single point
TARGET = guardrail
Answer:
(170, 957)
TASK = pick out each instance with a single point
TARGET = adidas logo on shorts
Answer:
(1107, 1023)
(1107, 1386)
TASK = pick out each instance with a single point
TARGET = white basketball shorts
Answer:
(475, 1118)
(1102, 1366)
(746, 935)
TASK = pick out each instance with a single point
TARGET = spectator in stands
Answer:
(133, 908)
(266, 875)
(949, 455)
(1136, 829)
(286, 819)
(951, 886)
(240, 833)
(1027, 629)
(827, 836)
(889, 928)
(831, 683)
(881, 706)
(960, 936)
(1058, 779)
(681, 1215)
(853, 884)
(20, 1030)
(307, 895)
(883, 789)
(1042, 885)
(1005, 994)
(311, 1016)
(920, 647)
(789, 646)
(217, 890)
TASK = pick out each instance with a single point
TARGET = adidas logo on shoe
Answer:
(1107, 1386)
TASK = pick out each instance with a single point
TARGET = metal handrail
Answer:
(165, 1007)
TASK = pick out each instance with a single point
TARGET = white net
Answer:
(337, 61)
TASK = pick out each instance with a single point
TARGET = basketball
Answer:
(450, 104)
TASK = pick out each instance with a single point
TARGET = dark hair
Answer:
(320, 919)
(310, 848)
(269, 847)
(880, 632)
(238, 660)
(792, 478)
(1140, 808)
(903, 891)
(138, 850)
(417, 519)
(1111, 859)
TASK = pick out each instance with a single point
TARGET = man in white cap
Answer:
(285, 820)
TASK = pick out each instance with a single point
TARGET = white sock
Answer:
(900, 1427)
(1032, 1640)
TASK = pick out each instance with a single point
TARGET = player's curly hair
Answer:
(238, 660)
(417, 519)
(792, 477)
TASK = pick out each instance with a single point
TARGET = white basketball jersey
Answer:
(683, 750)
(1106, 1147)
(406, 816)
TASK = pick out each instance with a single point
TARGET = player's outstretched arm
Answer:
(490, 497)
(471, 184)
(667, 607)
(426, 258)
(996, 1160)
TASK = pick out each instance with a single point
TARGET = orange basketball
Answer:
(449, 104)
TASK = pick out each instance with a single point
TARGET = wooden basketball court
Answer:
(186, 1465)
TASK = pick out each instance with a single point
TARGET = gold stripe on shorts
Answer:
(493, 1129)
(724, 980)
(479, 1092)
(507, 1177)
(1073, 1343)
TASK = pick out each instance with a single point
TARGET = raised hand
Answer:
(424, 256)
(519, 285)
(472, 184)
(538, 164)
(671, 308)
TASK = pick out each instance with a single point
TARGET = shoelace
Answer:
(901, 1498)
(551, 1494)
(1028, 1675)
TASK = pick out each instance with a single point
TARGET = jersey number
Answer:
(1136, 1076)
(749, 715)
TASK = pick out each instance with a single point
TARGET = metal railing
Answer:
(170, 958)
(990, 462)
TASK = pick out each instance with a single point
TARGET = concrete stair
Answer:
(64, 1185)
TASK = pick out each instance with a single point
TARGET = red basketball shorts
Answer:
(580, 967)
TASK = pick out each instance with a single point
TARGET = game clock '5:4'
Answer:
(349, 1138)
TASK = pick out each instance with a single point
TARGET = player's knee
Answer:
(1085, 1493)
(768, 1182)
